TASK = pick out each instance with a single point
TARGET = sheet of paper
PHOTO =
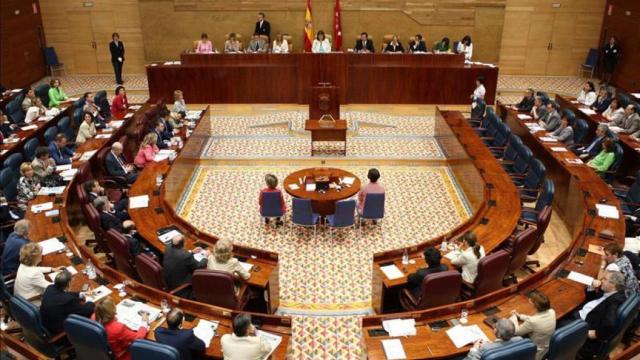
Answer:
(42, 207)
(205, 330)
(50, 213)
(56, 190)
(136, 202)
(464, 335)
(608, 211)
(596, 249)
(68, 174)
(632, 244)
(99, 293)
(70, 269)
(575, 161)
(392, 272)
(11, 140)
(636, 95)
(393, 349)
(160, 157)
(116, 123)
(29, 127)
(311, 187)
(166, 238)
(129, 115)
(103, 136)
(524, 117)
(400, 327)
(272, 339)
(16, 90)
(64, 167)
(559, 149)
(128, 313)
(135, 107)
(587, 111)
(294, 186)
(87, 155)
(581, 278)
(547, 139)
(246, 266)
(348, 180)
(199, 256)
(51, 245)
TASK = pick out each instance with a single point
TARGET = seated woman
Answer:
(44, 167)
(539, 109)
(603, 161)
(179, 105)
(587, 94)
(272, 186)
(232, 45)
(56, 95)
(465, 46)
(280, 45)
(526, 104)
(418, 45)
(394, 46)
(321, 44)
(30, 281)
(35, 111)
(204, 45)
(222, 260)
(442, 46)
(468, 256)
(28, 185)
(119, 336)
(29, 99)
(120, 104)
(539, 326)
(148, 150)
(564, 133)
(615, 112)
(87, 129)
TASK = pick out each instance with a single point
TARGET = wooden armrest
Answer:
(506, 162)
(409, 296)
(631, 203)
(180, 288)
(58, 337)
(518, 176)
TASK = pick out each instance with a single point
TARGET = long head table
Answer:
(288, 78)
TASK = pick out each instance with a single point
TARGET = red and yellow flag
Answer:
(337, 28)
(308, 28)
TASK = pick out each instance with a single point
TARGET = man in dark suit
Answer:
(93, 190)
(364, 45)
(117, 165)
(6, 128)
(595, 146)
(187, 344)
(262, 26)
(15, 241)
(433, 257)
(58, 303)
(179, 264)
(116, 47)
(60, 152)
(159, 129)
(108, 218)
(417, 45)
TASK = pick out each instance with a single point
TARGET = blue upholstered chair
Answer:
(344, 215)
(545, 198)
(373, 208)
(35, 334)
(50, 135)
(580, 131)
(88, 337)
(302, 214)
(64, 126)
(30, 147)
(42, 91)
(9, 183)
(523, 349)
(13, 161)
(567, 340)
(147, 350)
(626, 314)
(530, 184)
(15, 112)
(271, 206)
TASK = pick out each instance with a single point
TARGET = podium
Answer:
(324, 100)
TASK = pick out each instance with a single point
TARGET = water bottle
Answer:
(91, 271)
(444, 245)
(463, 316)
(405, 257)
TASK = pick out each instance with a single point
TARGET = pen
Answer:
(430, 352)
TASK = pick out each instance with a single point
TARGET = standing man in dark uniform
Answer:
(117, 56)
(262, 26)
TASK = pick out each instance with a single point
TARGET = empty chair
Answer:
(88, 337)
(64, 126)
(477, 111)
(146, 350)
(14, 111)
(510, 153)
(520, 246)
(373, 207)
(523, 349)
(529, 185)
(580, 131)
(491, 271)
(344, 215)
(42, 91)
(35, 334)
(50, 134)
(501, 139)
(567, 340)
(441, 288)
(302, 214)
(218, 288)
(590, 62)
(626, 314)
(9, 183)
(150, 271)
(119, 246)
(630, 197)
(545, 198)
(53, 63)
(271, 205)
(521, 164)
(544, 218)
(13, 161)
(30, 147)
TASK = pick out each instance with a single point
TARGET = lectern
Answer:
(324, 100)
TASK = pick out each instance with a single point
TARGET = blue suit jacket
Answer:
(187, 344)
(11, 253)
(61, 156)
(595, 146)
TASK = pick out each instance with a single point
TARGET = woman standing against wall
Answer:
(117, 56)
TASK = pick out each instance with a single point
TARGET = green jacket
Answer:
(602, 162)
(56, 96)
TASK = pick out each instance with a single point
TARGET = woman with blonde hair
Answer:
(179, 105)
(148, 150)
(222, 260)
(28, 186)
(30, 281)
(118, 335)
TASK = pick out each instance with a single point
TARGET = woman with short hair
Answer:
(539, 326)
(30, 281)
(232, 45)
(320, 44)
(28, 186)
(87, 129)
(118, 335)
(222, 260)
(204, 45)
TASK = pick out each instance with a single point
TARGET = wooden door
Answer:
(540, 32)
(82, 43)
(103, 27)
(561, 60)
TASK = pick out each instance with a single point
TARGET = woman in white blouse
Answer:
(614, 112)
(468, 258)
(179, 105)
(30, 281)
(280, 45)
(222, 260)
(588, 94)
(321, 44)
(479, 91)
(465, 46)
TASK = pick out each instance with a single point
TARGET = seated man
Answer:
(526, 104)
(94, 191)
(243, 343)
(630, 123)
(373, 187)
(159, 129)
(60, 152)
(187, 344)
(15, 241)
(6, 128)
(117, 165)
(257, 44)
(539, 110)
(433, 258)
(417, 45)
(364, 45)
(58, 303)
(137, 244)
(504, 331)
(179, 264)
(596, 145)
(108, 218)
(91, 107)
(551, 120)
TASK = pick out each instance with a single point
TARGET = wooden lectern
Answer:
(324, 100)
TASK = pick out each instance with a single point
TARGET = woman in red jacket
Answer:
(118, 335)
(119, 104)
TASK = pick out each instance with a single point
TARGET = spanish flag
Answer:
(308, 28)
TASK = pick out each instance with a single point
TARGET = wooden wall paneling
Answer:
(623, 23)
(539, 36)
(80, 40)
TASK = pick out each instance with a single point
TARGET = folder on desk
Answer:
(205, 331)
(580, 278)
(272, 339)
(393, 349)
(391, 272)
(51, 245)
(165, 234)
(464, 335)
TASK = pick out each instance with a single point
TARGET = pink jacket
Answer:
(145, 154)
(204, 47)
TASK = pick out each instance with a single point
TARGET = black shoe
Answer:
(279, 223)
(266, 221)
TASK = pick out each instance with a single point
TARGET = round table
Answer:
(323, 202)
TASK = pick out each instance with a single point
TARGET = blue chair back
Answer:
(535, 175)
(523, 349)
(14, 111)
(546, 196)
(79, 104)
(570, 115)
(302, 212)
(503, 135)
(64, 126)
(13, 161)
(35, 334)
(50, 56)
(77, 117)
(50, 135)
(521, 164)
(592, 58)
(147, 350)
(580, 130)
(344, 214)
(9, 183)
(511, 151)
(626, 314)
(478, 111)
(30, 147)
(271, 205)
(373, 206)
(102, 102)
(42, 91)
(88, 337)
(567, 340)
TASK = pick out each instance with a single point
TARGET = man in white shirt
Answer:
(243, 343)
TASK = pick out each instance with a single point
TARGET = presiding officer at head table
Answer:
(364, 44)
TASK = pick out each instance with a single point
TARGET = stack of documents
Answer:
(393, 349)
(129, 313)
(524, 117)
(400, 327)
(391, 272)
(205, 331)
(607, 211)
(272, 339)
(69, 268)
(29, 127)
(581, 278)
(56, 190)
(141, 201)
(37, 208)
(464, 335)
(87, 155)
(99, 293)
(547, 139)
(193, 114)
(67, 175)
(587, 111)
(51, 245)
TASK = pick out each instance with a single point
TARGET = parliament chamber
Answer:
(259, 197)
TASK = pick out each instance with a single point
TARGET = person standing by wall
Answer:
(117, 56)
(611, 53)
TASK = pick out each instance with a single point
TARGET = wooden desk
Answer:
(288, 78)
(323, 203)
(335, 133)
